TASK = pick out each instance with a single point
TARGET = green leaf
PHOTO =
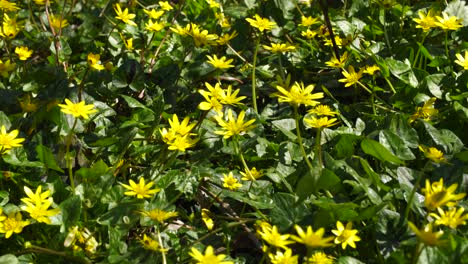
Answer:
(285, 126)
(97, 170)
(286, 212)
(395, 144)
(375, 149)
(134, 103)
(400, 126)
(433, 83)
(45, 156)
(346, 145)
(8, 259)
(348, 260)
(71, 211)
(373, 175)
(403, 71)
(445, 138)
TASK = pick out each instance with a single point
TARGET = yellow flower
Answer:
(82, 237)
(448, 23)
(279, 47)
(320, 258)
(140, 190)
(309, 34)
(436, 195)
(253, 175)
(165, 5)
(261, 23)
(77, 109)
(93, 61)
(426, 112)
(228, 97)
(335, 63)
(452, 218)
(371, 69)
(150, 243)
(298, 94)
(37, 205)
(6, 67)
(425, 21)
(41, 2)
(221, 63)
(312, 239)
(124, 15)
(127, 42)
(201, 37)
(426, 235)
(58, 22)
(13, 223)
(351, 77)
(23, 52)
(10, 27)
(6, 6)
(345, 236)
(230, 182)
(183, 31)
(223, 21)
(177, 129)
(210, 103)
(154, 27)
(462, 61)
(153, 13)
(273, 237)
(338, 41)
(283, 258)
(432, 154)
(27, 104)
(181, 143)
(9, 140)
(231, 126)
(213, 3)
(207, 219)
(322, 110)
(209, 257)
(308, 21)
(159, 215)
(225, 38)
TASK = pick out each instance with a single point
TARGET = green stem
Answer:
(254, 80)
(299, 139)
(67, 155)
(410, 199)
(80, 88)
(280, 63)
(161, 245)
(318, 147)
(36, 249)
(417, 252)
(446, 44)
(385, 31)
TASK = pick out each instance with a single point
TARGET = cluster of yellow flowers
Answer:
(429, 20)
(179, 136)
(36, 204)
(277, 244)
(436, 196)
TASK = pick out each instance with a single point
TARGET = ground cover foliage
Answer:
(205, 131)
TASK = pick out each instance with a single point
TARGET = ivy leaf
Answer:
(375, 149)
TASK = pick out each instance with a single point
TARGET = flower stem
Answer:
(446, 44)
(254, 80)
(299, 139)
(281, 70)
(68, 158)
(318, 147)
(162, 249)
(410, 199)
